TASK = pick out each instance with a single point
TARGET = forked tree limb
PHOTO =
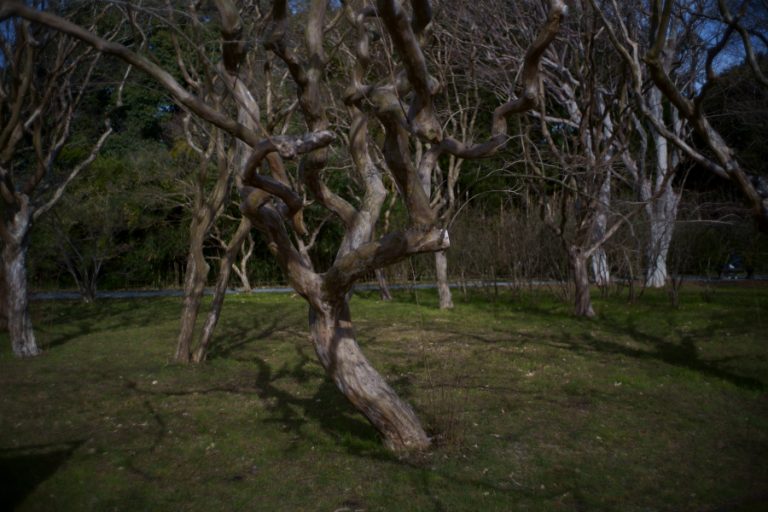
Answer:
(380, 253)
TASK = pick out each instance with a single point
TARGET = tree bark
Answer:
(334, 340)
(194, 286)
(14, 256)
(443, 290)
(241, 268)
(583, 300)
(220, 291)
(600, 269)
(662, 213)
(599, 259)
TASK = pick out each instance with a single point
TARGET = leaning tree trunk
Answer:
(443, 289)
(662, 213)
(14, 256)
(215, 312)
(334, 340)
(578, 262)
(194, 286)
(220, 291)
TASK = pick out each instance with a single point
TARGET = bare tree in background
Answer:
(571, 148)
(393, 93)
(454, 53)
(582, 112)
(656, 23)
(213, 154)
(585, 93)
(44, 78)
(241, 257)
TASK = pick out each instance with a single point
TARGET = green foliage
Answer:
(646, 408)
(117, 214)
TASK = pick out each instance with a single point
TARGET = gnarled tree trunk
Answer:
(334, 340)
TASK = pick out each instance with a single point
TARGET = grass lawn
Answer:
(646, 408)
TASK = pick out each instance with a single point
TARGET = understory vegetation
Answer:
(648, 407)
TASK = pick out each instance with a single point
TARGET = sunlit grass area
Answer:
(646, 408)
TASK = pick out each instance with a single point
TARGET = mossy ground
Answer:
(646, 408)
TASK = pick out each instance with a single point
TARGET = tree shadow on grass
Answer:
(327, 407)
(70, 321)
(23, 469)
(682, 353)
(232, 338)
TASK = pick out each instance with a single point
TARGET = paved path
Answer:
(135, 294)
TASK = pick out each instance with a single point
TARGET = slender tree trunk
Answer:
(212, 319)
(14, 256)
(334, 340)
(383, 286)
(220, 291)
(578, 262)
(3, 301)
(443, 290)
(245, 282)
(661, 210)
(599, 260)
(194, 286)
(662, 215)
(599, 265)
(241, 269)
(86, 284)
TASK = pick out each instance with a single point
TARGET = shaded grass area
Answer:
(645, 408)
